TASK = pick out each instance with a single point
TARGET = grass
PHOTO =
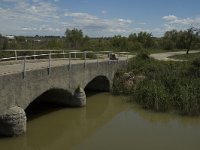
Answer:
(168, 86)
(188, 57)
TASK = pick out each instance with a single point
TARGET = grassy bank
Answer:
(167, 86)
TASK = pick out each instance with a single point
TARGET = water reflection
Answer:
(164, 118)
(108, 122)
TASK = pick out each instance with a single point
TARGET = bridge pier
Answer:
(13, 122)
(78, 98)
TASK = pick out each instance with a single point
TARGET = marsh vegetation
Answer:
(167, 86)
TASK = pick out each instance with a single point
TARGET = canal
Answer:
(107, 123)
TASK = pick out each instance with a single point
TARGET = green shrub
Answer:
(144, 55)
(167, 85)
(152, 95)
(117, 87)
(194, 69)
(186, 97)
(122, 85)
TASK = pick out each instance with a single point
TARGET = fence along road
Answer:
(17, 64)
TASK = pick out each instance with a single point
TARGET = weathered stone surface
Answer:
(13, 122)
(130, 80)
(79, 98)
(16, 90)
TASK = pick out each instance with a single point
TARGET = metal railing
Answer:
(68, 55)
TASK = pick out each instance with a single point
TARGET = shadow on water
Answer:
(39, 108)
(53, 100)
(98, 84)
(49, 102)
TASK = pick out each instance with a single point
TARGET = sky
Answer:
(97, 18)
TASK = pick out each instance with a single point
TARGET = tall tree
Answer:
(143, 38)
(191, 36)
(119, 42)
(74, 38)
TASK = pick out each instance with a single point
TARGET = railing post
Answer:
(15, 55)
(34, 55)
(24, 67)
(49, 67)
(127, 59)
(63, 54)
(69, 60)
(85, 57)
(97, 60)
(118, 56)
(109, 58)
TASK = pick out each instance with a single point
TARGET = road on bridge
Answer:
(13, 67)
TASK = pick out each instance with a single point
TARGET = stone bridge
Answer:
(19, 89)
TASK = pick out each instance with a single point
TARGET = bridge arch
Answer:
(99, 83)
(48, 101)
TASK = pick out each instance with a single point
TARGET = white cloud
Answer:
(124, 21)
(26, 18)
(13, 0)
(174, 22)
(97, 26)
(81, 16)
(28, 29)
(142, 23)
(30, 17)
(170, 18)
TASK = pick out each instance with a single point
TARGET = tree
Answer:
(191, 36)
(132, 37)
(172, 35)
(142, 39)
(5, 44)
(119, 42)
(75, 38)
(169, 40)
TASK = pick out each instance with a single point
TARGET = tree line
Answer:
(75, 39)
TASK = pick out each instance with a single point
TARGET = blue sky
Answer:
(97, 18)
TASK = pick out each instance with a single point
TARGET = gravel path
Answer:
(164, 56)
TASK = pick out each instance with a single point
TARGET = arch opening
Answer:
(98, 84)
(50, 101)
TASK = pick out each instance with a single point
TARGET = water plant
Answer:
(167, 85)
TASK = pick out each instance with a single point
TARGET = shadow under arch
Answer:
(49, 101)
(98, 84)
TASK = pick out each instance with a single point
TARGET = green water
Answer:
(107, 123)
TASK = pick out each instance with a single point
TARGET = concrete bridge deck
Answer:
(17, 66)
